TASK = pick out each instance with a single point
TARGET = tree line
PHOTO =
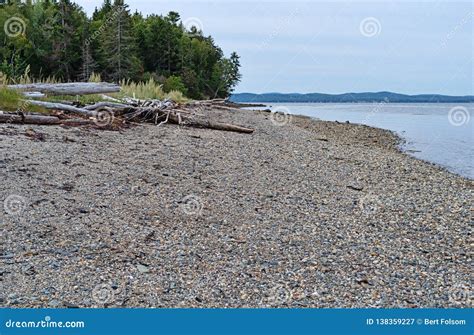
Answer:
(55, 38)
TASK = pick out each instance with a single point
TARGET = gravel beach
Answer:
(302, 213)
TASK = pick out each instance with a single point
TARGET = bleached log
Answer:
(44, 120)
(106, 104)
(175, 118)
(106, 97)
(223, 126)
(63, 107)
(33, 95)
(69, 88)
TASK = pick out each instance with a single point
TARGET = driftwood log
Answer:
(33, 95)
(40, 120)
(63, 107)
(68, 88)
(221, 126)
(28, 119)
(125, 110)
(209, 124)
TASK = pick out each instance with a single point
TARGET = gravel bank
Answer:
(306, 214)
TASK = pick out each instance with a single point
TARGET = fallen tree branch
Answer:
(68, 88)
(106, 104)
(33, 95)
(222, 126)
(29, 119)
(45, 120)
(63, 107)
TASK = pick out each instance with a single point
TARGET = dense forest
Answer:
(55, 38)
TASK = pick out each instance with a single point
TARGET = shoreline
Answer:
(408, 144)
(302, 213)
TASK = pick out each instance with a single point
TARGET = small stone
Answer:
(143, 268)
(54, 303)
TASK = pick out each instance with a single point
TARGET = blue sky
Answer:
(339, 46)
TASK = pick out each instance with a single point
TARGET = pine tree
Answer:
(118, 45)
(57, 39)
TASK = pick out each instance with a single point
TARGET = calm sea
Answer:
(439, 133)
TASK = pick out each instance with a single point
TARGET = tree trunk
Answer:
(69, 88)
(63, 107)
(41, 120)
(29, 119)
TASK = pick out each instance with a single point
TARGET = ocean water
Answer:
(438, 133)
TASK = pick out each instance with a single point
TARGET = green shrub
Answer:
(174, 83)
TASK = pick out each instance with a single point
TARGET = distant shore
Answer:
(301, 213)
(367, 97)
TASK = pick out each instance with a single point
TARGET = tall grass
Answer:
(148, 90)
(176, 96)
(142, 90)
(12, 101)
(95, 78)
(25, 78)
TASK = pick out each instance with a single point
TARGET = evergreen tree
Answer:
(55, 38)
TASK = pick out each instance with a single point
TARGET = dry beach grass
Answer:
(301, 213)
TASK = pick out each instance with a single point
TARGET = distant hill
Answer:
(388, 97)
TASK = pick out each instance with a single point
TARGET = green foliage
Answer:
(11, 101)
(174, 83)
(80, 99)
(59, 41)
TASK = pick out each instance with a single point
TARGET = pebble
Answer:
(261, 220)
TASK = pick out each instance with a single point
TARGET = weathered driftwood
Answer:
(63, 107)
(29, 119)
(209, 124)
(135, 110)
(41, 120)
(33, 95)
(69, 88)
(222, 126)
(104, 104)
(106, 97)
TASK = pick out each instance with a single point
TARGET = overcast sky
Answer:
(336, 47)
